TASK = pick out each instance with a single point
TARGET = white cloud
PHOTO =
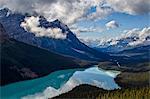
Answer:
(92, 42)
(100, 13)
(68, 11)
(91, 29)
(112, 24)
(130, 6)
(31, 24)
(136, 32)
(79, 30)
(138, 37)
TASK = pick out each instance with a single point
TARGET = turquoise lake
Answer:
(19, 89)
(59, 82)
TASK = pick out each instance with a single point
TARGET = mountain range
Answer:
(121, 44)
(128, 40)
(70, 46)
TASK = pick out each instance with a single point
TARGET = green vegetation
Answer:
(128, 93)
(133, 79)
(92, 92)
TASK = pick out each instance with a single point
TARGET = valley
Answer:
(47, 58)
(20, 61)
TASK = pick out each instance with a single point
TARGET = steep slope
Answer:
(3, 34)
(135, 55)
(137, 50)
(70, 46)
(20, 61)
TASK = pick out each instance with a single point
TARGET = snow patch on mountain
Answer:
(128, 39)
(79, 51)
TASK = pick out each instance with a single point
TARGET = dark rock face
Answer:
(3, 34)
(71, 46)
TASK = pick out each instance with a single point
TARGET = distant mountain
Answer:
(129, 39)
(71, 46)
(121, 44)
(136, 50)
(20, 61)
(137, 55)
(134, 59)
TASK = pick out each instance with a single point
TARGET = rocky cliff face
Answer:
(3, 34)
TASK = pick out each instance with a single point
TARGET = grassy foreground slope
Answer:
(92, 92)
(129, 93)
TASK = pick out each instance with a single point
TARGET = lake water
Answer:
(60, 82)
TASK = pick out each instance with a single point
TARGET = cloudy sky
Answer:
(88, 18)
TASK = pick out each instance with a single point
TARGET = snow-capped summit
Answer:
(130, 39)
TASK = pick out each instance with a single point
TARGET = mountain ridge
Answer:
(71, 46)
